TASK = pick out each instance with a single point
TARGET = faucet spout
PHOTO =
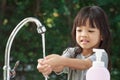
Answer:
(41, 30)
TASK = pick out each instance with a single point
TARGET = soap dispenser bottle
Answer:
(98, 71)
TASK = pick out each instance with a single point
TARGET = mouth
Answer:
(84, 41)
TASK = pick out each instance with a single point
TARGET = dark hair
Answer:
(97, 18)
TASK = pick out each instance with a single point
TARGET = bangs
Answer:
(90, 16)
(81, 21)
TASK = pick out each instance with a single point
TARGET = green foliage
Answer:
(58, 17)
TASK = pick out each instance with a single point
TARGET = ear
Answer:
(101, 37)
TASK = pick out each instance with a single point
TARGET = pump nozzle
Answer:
(98, 53)
(98, 71)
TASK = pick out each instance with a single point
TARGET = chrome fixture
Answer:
(40, 29)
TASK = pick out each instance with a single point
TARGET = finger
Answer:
(44, 68)
(47, 70)
(40, 60)
(41, 67)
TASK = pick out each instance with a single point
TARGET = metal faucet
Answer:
(40, 29)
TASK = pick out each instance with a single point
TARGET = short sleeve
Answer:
(69, 53)
(104, 58)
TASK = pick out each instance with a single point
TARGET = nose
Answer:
(84, 33)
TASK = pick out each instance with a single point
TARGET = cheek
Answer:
(77, 37)
(96, 39)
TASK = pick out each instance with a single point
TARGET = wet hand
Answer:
(45, 69)
(58, 69)
(54, 60)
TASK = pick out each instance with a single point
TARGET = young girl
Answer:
(90, 30)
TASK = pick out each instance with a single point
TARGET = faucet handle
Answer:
(13, 71)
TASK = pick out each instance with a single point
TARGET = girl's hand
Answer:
(54, 60)
(45, 69)
(58, 69)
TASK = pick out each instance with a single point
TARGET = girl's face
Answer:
(88, 37)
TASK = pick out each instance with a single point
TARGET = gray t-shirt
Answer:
(80, 74)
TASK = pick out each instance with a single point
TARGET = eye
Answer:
(91, 31)
(78, 30)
